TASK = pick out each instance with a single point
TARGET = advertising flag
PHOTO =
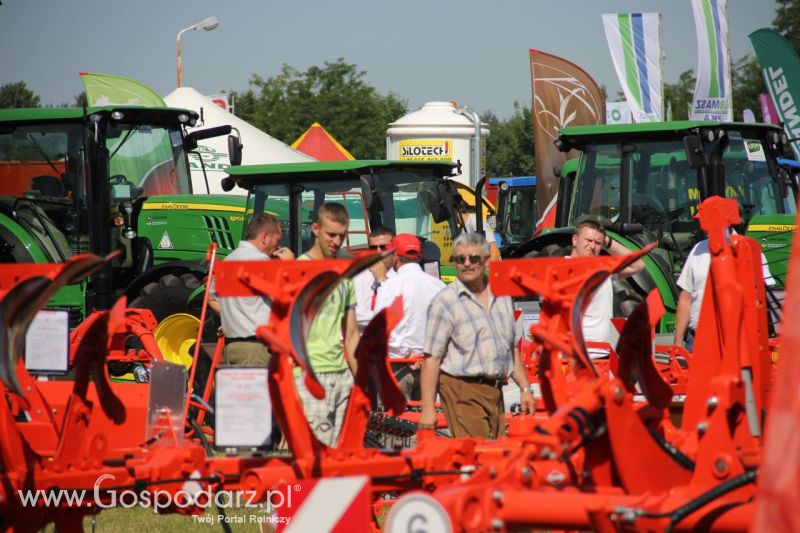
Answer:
(110, 90)
(712, 94)
(634, 40)
(780, 67)
(618, 113)
(563, 95)
(768, 113)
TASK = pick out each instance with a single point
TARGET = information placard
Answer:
(47, 342)
(243, 410)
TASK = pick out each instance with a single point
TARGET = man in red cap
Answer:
(418, 290)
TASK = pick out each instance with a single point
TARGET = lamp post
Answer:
(206, 24)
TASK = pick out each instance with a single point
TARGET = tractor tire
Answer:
(168, 298)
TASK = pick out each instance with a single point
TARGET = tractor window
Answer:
(598, 182)
(749, 181)
(146, 161)
(41, 159)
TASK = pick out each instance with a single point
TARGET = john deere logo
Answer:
(753, 146)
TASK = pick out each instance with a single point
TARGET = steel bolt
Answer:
(702, 427)
(526, 473)
(497, 496)
(497, 524)
(618, 395)
(712, 401)
(492, 472)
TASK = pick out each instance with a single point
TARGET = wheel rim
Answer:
(176, 336)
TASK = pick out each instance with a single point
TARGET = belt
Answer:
(691, 331)
(481, 380)
(231, 340)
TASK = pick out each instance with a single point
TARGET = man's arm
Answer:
(521, 378)
(617, 249)
(351, 339)
(682, 317)
(428, 383)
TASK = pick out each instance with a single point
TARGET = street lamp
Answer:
(206, 24)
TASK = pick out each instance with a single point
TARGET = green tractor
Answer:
(643, 183)
(407, 197)
(113, 178)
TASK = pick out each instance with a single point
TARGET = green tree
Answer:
(509, 148)
(678, 96)
(16, 94)
(747, 84)
(335, 95)
(787, 21)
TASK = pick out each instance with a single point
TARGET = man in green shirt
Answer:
(332, 339)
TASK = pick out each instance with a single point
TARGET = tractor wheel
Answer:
(178, 321)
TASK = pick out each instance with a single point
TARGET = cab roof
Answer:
(250, 175)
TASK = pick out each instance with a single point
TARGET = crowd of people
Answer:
(458, 342)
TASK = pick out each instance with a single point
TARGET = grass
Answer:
(138, 519)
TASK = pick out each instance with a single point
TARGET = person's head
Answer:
(264, 232)
(588, 239)
(379, 240)
(407, 249)
(330, 228)
(470, 253)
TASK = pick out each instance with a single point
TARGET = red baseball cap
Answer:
(407, 245)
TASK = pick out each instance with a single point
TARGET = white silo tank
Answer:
(436, 132)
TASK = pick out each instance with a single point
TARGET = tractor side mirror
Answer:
(440, 200)
(371, 192)
(190, 141)
(234, 150)
(227, 184)
(696, 156)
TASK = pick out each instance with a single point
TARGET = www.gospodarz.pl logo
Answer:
(192, 494)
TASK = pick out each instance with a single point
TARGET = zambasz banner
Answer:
(563, 95)
(780, 67)
(634, 40)
(712, 94)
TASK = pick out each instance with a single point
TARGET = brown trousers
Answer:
(472, 409)
(245, 353)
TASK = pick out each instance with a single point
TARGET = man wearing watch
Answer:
(470, 348)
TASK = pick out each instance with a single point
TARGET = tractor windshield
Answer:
(146, 161)
(662, 192)
(402, 206)
(41, 177)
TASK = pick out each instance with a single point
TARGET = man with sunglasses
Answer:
(418, 290)
(470, 349)
(370, 282)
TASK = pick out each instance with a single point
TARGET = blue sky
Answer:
(471, 51)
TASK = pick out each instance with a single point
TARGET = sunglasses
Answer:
(473, 259)
(377, 246)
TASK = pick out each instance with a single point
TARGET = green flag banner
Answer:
(110, 90)
(780, 67)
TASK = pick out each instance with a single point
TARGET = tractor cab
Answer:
(645, 181)
(407, 197)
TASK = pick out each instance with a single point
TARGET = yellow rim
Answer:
(175, 337)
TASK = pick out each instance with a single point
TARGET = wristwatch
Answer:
(529, 388)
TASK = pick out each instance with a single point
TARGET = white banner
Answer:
(712, 94)
(634, 40)
(618, 113)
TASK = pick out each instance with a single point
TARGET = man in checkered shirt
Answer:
(470, 349)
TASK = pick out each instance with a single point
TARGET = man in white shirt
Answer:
(587, 241)
(243, 314)
(369, 282)
(418, 290)
(692, 282)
